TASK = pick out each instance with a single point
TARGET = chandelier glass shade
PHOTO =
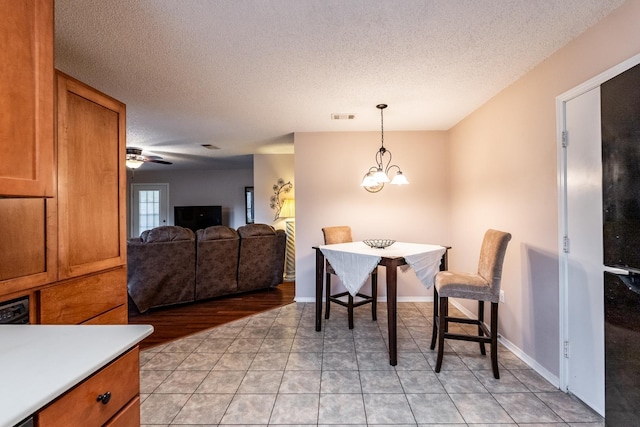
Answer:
(378, 175)
(134, 158)
(133, 163)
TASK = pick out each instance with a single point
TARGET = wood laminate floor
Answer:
(175, 322)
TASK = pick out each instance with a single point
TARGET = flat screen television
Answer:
(197, 217)
(620, 112)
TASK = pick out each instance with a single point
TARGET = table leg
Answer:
(319, 283)
(392, 296)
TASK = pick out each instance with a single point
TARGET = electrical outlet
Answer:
(501, 295)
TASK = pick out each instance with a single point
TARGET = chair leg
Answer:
(480, 321)
(374, 294)
(350, 311)
(434, 332)
(494, 340)
(327, 304)
(444, 312)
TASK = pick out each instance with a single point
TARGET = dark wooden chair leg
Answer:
(374, 294)
(327, 304)
(444, 312)
(434, 332)
(494, 340)
(350, 311)
(350, 304)
(480, 321)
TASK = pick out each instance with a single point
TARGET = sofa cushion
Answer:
(253, 230)
(217, 254)
(216, 232)
(262, 253)
(166, 233)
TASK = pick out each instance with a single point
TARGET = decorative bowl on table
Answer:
(379, 243)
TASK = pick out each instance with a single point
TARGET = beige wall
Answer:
(504, 175)
(267, 169)
(496, 168)
(329, 168)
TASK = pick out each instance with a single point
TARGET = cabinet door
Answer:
(91, 179)
(26, 98)
(28, 244)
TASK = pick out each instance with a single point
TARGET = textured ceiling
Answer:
(243, 75)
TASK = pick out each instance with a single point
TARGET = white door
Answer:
(149, 207)
(584, 361)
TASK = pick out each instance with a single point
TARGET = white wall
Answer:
(328, 170)
(201, 187)
(504, 175)
(267, 169)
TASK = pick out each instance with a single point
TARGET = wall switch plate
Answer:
(501, 295)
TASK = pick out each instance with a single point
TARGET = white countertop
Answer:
(38, 363)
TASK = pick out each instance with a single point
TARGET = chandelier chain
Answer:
(378, 175)
(382, 126)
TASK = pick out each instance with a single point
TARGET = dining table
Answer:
(354, 261)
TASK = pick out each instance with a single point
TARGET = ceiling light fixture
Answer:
(134, 158)
(378, 175)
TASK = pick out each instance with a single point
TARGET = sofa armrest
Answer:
(161, 273)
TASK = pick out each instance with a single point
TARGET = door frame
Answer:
(563, 257)
(133, 209)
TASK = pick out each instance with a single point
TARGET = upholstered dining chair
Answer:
(342, 234)
(481, 286)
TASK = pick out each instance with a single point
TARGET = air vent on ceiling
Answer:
(210, 147)
(342, 116)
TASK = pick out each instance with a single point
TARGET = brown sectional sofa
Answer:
(171, 265)
(221, 244)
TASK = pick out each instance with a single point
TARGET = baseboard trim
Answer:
(381, 299)
(553, 379)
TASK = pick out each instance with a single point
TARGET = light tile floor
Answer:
(275, 369)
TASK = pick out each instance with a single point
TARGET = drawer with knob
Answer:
(99, 398)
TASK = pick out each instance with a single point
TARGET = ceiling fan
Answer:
(135, 159)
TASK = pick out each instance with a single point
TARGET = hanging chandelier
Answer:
(378, 175)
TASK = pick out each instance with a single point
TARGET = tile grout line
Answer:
(302, 322)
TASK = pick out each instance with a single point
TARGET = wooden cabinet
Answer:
(26, 98)
(62, 185)
(129, 416)
(91, 179)
(95, 299)
(27, 181)
(109, 397)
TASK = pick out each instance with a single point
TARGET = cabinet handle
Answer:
(104, 398)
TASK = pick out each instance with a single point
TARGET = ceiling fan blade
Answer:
(154, 157)
(162, 162)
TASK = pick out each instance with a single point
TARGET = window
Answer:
(148, 209)
(248, 202)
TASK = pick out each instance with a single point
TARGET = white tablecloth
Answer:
(354, 261)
